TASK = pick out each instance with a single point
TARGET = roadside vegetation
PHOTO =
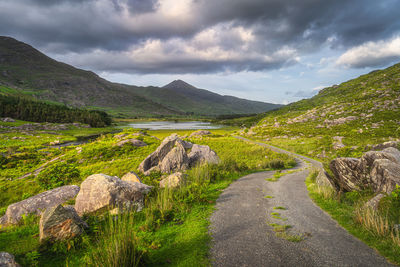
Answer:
(377, 228)
(172, 229)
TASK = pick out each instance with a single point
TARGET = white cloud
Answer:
(372, 54)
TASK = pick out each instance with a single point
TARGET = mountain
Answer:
(341, 120)
(25, 70)
(189, 99)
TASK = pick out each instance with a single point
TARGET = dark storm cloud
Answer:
(251, 35)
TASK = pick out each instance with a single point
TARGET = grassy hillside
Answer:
(26, 69)
(342, 120)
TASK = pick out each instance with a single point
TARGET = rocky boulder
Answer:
(174, 180)
(201, 154)
(176, 159)
(131, 177)
(172, 156)
(373, 203)
(60, 223)
(38, 203)
(200, 133)
(379, 170)
(7, 119)
(132, 142)
(7, 260)
(100, 191)
(386, 145)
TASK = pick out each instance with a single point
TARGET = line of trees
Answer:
(30, 110)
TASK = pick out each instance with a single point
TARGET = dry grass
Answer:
(377, 223)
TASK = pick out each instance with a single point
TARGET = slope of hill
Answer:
(27, 70)
(342, 120)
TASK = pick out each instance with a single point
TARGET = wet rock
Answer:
(7, 260)
(60, 223)
(174, 180)
(38, 203)
(100, 191)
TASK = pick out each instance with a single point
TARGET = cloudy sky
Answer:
(270, 50)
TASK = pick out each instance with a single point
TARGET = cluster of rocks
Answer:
(340, 121)
(43, 126)
(100, 192)
(97, 192)
(7, 119)
(376, 170)
(175, 154)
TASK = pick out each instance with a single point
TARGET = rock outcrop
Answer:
(200, 133)
(174, 180)
(7, 260)
(379, 170)
(100, 191)
(172, 156)
(38, 203)
(386, 145)
(131, 177)
(60, 223)
(132, 142)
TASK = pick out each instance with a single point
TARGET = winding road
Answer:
(243, 235)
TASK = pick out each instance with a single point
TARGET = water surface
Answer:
(171, 125)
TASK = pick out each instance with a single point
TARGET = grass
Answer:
(172, 229)
(280, 208)
(375, 228)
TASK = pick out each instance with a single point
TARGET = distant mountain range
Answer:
(26, 71)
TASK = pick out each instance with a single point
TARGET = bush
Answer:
(276, 164)
(57, 175)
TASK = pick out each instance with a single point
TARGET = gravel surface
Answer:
(242, 235)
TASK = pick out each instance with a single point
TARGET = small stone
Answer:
(7, 260)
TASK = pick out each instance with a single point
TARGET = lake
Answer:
(171, 125)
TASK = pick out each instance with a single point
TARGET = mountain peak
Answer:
(178, 84)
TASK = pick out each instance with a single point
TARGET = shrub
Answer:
(57, 175)
(276, 164)
(117, 244)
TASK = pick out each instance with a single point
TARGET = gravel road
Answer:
(243, 235)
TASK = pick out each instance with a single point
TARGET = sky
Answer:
(276, 51)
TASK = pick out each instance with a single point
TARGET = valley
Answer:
(144, 174)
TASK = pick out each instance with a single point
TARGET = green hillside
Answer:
(27, 70)
(342, 120)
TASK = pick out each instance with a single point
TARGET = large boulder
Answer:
(7, 260)
(60, 223)
(38, 203)
(158, 155)
(176, 159)
(100, 191)
(379, 170)
(172, 156)
(201, 154)
(173, 180)
(163, 157)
